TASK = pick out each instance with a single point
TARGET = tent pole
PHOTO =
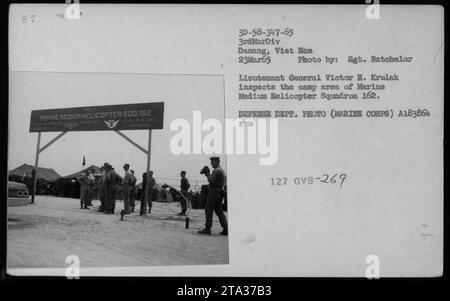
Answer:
(36, 162)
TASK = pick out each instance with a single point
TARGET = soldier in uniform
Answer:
(143, 209)
(110, 191)
(151, 191)
(101, 188)
(126, 188)
(84, 190)
(184, 187)
(91, 186)
(132, 191)
(216, 181)
(116, 183)
(148, 193)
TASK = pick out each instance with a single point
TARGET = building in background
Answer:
(69, 186)
(46, 178)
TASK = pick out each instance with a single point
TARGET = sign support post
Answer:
(147, 191)
(36, 162)
(149, 150)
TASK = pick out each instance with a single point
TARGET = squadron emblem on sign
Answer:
(111, 123)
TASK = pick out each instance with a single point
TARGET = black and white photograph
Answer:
(237, 143)
(110, 184)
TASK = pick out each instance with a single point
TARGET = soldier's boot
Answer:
(182, 213)
(224, 232)
(122, 213)
(205, 231)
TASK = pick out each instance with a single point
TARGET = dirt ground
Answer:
(45, 233)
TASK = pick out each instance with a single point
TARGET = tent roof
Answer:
(47, 174)
(97, 172)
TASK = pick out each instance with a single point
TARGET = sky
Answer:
(181, 94)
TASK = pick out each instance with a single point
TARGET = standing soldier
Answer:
(184, 187)
(91, 186)
(132, 191)
(109, 190)
(126, 188)
(101, 188)
(116, 183)
(143, 196)
(214, 201)
(84, 190)
(151, 193)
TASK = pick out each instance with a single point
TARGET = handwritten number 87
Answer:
(25, 18)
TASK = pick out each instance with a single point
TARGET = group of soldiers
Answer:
(110, 182)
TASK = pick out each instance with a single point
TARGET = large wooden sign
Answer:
(137, 116)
